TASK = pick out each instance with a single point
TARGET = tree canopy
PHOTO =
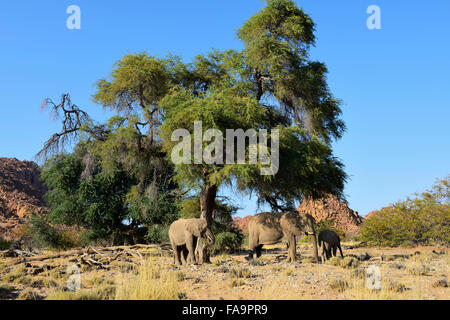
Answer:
(420, 220)
(272, 86)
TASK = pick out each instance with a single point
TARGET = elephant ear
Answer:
(292, 223)
(196, 226)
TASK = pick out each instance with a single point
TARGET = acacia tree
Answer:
(271, 84)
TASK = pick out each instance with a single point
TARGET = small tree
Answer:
(423, 220)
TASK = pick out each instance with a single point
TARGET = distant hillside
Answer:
(242, 223)
(332, 209)
(21, 192)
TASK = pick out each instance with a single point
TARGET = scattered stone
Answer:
(442, 283)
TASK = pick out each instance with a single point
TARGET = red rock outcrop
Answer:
(242, 223)
(332, 209)
(21, 193)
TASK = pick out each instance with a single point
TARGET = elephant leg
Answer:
(334, 251)
(252, 246)
(191, 249)
(259, 250)
(184, 254)
(340, 250)
(328, 252)
(176, 254)
(179, 253)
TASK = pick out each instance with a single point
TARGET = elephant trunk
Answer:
(314, 243)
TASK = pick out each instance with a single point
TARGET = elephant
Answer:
(184, 234)
(269, 228)
(329, 240)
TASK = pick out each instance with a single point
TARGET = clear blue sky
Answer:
(394, 82)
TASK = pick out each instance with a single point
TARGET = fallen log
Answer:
(114, 253)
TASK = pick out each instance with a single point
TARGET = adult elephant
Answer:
(184, 234)
(329, 241)
(269, 228)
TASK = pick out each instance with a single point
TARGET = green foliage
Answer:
(271, 84)
(137, 81)
(190, 208)
(46, 235)
(120, 176)
(158, 234)
(277, 40)
(103, 202)
(4, 244)
(423, 220)
(227, 242)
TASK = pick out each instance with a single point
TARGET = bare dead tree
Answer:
(73, 120)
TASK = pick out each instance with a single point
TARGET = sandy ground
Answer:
(404, 273)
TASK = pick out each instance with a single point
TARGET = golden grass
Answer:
(102, 293)
(150, 283)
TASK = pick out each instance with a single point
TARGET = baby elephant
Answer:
(329, 240)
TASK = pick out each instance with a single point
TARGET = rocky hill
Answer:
(242, 223)
(329, 208)
(21, 192)
(332, 209)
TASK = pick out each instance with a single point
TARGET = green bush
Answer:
(158, 234)
(4, 244)
(46, 235)
(424, 220)
(227, 242)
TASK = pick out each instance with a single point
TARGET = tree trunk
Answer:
(207, 206)
(208, 202)
(315, 251)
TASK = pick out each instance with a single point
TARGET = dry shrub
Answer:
(6, 291)
(237, 283)
(151, 282)
(442, 283)
(29, 294)
(389, 290)
(339, 285)
(394, 286)
(241, 273)
(334, 261)
(417, 268)
(349, 262)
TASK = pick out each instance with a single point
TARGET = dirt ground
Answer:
(365, 273)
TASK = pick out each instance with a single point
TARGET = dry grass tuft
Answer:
(6, 291)
(349, 263)
(417, 268)
(237, 283)
(241, 273)
(151, 282)
(339, 285)
(29, 294)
